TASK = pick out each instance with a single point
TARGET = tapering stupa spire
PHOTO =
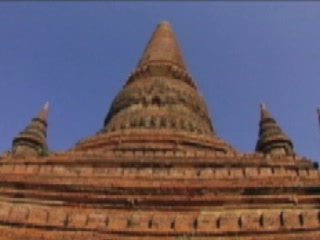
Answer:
(272, 139)
(162, 57)
(163, 47)
(33, 139)
(159, 105)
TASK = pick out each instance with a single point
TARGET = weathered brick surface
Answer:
(77, 220)
(140, 221)
(251, 221)
(271, 220)
(39, 216)
(207, 222)
(157, 170)
(163, 222)
(290, 219)
(310, 218)
(185, 224)
(19, 214)
(159, 222)
(120, 221)
(97, 220)
(58, 218)
(229, 222)
(4, 211)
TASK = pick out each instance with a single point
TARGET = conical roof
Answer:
(159, 104)
(272, 139)
(33, 139)
(163, 47)
(162, 57)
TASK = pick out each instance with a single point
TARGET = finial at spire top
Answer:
(263, 106)
(164, 22)
(43, 114)
(264, 111)
(46, 106)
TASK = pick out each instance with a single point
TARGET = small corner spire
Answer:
(33, 139)
(271, 137)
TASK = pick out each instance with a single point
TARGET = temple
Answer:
(157, 169)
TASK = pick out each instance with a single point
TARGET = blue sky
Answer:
(77, 55)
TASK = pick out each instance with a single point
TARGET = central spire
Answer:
(159, 108)
(162, 57)
(163, 47)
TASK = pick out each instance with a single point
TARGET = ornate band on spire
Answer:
(33, 139)
(271, 137)
(158, 98)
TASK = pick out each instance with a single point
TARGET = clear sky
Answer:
(77, 55)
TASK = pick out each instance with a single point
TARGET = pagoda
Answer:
(157, 169)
